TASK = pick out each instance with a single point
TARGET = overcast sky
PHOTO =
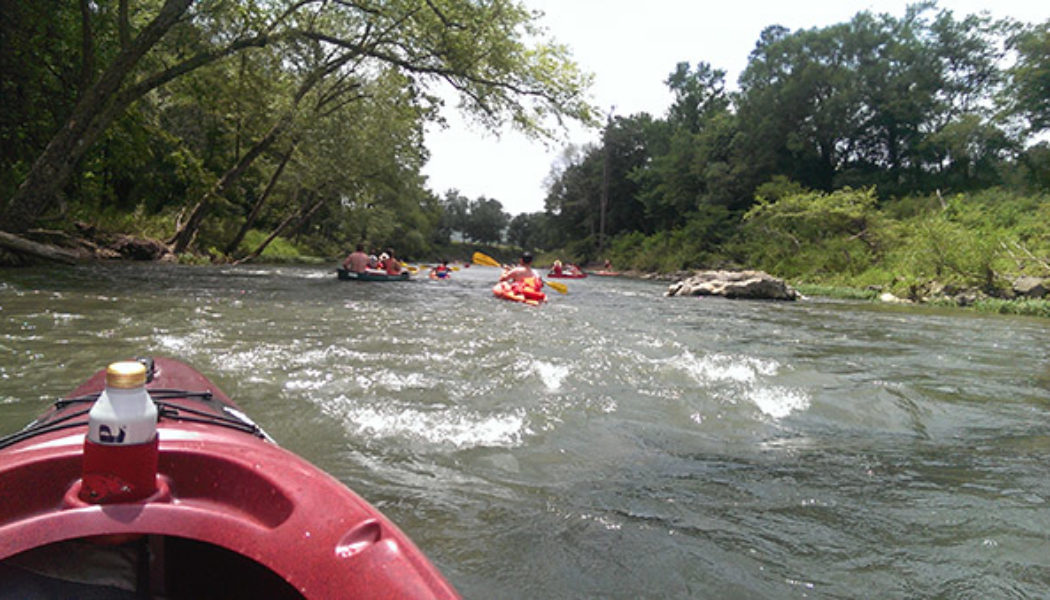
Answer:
(631, 47)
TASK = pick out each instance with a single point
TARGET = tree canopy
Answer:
(929, 102)
(209, 110)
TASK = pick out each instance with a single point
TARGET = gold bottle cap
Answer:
(126, 374)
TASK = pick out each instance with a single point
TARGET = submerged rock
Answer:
(733, 284)
(891, 299)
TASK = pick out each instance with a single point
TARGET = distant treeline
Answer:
(888, 151)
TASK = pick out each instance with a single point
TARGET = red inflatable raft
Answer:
(527, 291)
(554, 275)
(226, 514)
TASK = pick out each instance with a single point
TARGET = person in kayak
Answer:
(357, 261)
(556, 268)
(521, 283)
(521, 272)
(391, 264)
(441, 271)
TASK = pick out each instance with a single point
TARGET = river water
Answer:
(612, 443)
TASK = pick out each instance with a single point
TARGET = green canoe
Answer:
(370, 276)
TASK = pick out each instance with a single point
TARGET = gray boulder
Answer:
(733, 284)
(1030, 287)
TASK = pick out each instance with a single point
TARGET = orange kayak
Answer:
(527, 291)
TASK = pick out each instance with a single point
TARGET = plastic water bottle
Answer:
(120, 451)
(124, 414)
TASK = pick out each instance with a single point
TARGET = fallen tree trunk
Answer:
(21, 245)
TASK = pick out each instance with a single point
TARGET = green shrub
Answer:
(1026, 306)
(833, 291)
(278, 250)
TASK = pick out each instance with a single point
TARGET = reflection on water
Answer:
(612, 443)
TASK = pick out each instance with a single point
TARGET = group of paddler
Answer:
(385, 263)
(519, 283)
(569, 270)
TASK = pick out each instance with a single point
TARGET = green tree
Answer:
(503, 66)
(1028, 93)
(113, 91)
(528, 230)
(798, 105)
(46, 53)
(857, 103)
(689, 163)
(362, 153)
(455, 210)
(486, 221)
(698, 95)
(574, 189)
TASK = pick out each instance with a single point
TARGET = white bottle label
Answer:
(122, 417)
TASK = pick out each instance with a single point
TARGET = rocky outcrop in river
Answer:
(733, 284)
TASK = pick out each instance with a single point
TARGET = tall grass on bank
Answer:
(835, 291)
(1026, 307)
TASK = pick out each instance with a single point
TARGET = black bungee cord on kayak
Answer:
(166, 410)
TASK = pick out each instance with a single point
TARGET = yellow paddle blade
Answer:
(484, 259)
(557, 286)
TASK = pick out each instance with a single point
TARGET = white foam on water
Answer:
(394, 380)
(551, 375)
(603, 520)
(256, 358)
(251, 272)
(312, 274)
(778, 402)
(459, 428)
(175, 344)
(309, 379)
(720, 368)
(744, 375)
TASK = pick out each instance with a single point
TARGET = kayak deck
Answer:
(234, 515)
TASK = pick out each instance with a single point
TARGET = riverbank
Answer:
(934, 296)
(1036, 307)
(91, 244)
